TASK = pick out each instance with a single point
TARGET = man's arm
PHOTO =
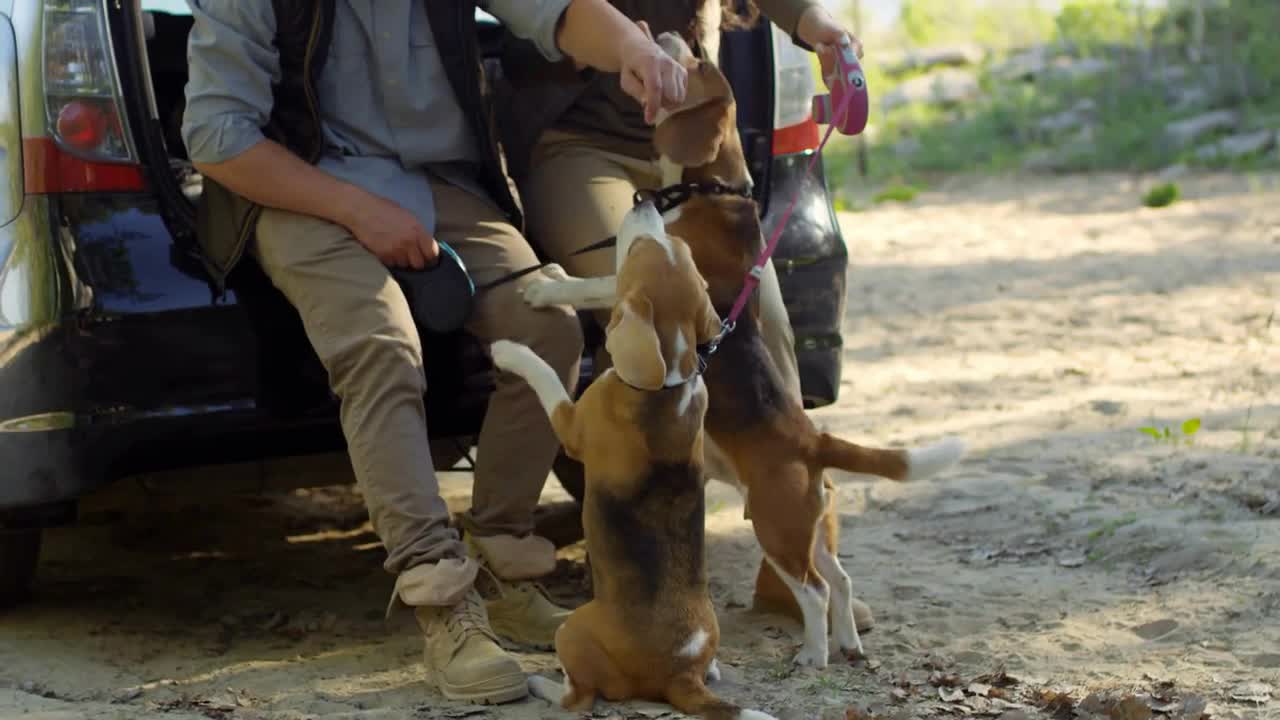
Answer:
(595, 33)
(233, 63)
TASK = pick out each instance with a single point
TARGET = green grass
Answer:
(1161, 196)
(897, 193)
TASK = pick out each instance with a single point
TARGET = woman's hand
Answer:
(825, 35)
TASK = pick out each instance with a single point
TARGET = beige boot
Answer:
(463, 656)
(522, 613)
(519, 608)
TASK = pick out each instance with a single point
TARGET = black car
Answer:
(116, 357)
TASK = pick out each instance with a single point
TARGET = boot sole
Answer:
(487, 697)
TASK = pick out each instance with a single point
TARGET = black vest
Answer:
(304, 30)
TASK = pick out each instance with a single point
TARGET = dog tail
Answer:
(691, 697)
(906, 464)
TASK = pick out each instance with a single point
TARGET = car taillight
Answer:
(794, 129)
(88, 147)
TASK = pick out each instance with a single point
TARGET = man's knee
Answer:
(555, 334)
(386, 354)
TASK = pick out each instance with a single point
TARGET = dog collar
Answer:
(672, 196)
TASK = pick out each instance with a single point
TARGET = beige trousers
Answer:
(576, 193)
(358, 320)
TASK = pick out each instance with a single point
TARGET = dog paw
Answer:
(539, 293)
(811, 658)
(545, 689)
(555, 272)
(506, 354)
(712, 675)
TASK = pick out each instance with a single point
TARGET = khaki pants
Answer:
(577, 192)
(358, 320)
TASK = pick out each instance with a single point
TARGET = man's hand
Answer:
(391, 233)
(825, 35)
(650, 75)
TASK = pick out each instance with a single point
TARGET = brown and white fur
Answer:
(650, 632)
(760, 438)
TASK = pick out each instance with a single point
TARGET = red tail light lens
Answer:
(82, 125)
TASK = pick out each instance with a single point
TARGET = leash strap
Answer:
(752, 279)
(605, 243)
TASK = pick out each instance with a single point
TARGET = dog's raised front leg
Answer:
(558, 288)
(520, 360)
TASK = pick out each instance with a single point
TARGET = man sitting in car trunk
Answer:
(341, 137)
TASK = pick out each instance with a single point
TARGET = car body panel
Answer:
(10, 127)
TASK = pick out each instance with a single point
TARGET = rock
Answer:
(126, 695)
(907, 148)
(1073, 118)
(1252, 692)
(1108, 407)
(1189, 96)
(1173, 73)
(1069, 69)
(1185, 132)
(1237, 146)
(1025, 65)
(929, 58)
(1156, 629)
(945, 87)
(1171, 173)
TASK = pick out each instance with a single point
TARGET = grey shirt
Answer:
(388, 110)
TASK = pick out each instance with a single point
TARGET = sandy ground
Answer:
(1070, 558)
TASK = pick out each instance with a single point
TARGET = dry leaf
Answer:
(1129, 708)
(950, 696)
(1057, 704)
(938, 679)
(998, 679)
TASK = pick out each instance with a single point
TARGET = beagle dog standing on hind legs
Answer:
(650, 632)
(759, 437)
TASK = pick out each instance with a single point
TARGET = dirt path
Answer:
(1043, 320)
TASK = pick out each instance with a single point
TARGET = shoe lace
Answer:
(468, 616)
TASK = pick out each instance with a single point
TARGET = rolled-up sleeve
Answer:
(786, 14)
(233, 64)
(532, 20)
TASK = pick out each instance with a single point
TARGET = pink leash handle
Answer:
(850, 84)
(849, 73)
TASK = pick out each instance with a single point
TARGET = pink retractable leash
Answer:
(845, 108)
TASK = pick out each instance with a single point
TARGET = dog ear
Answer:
(692, 137)
(632, 343)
